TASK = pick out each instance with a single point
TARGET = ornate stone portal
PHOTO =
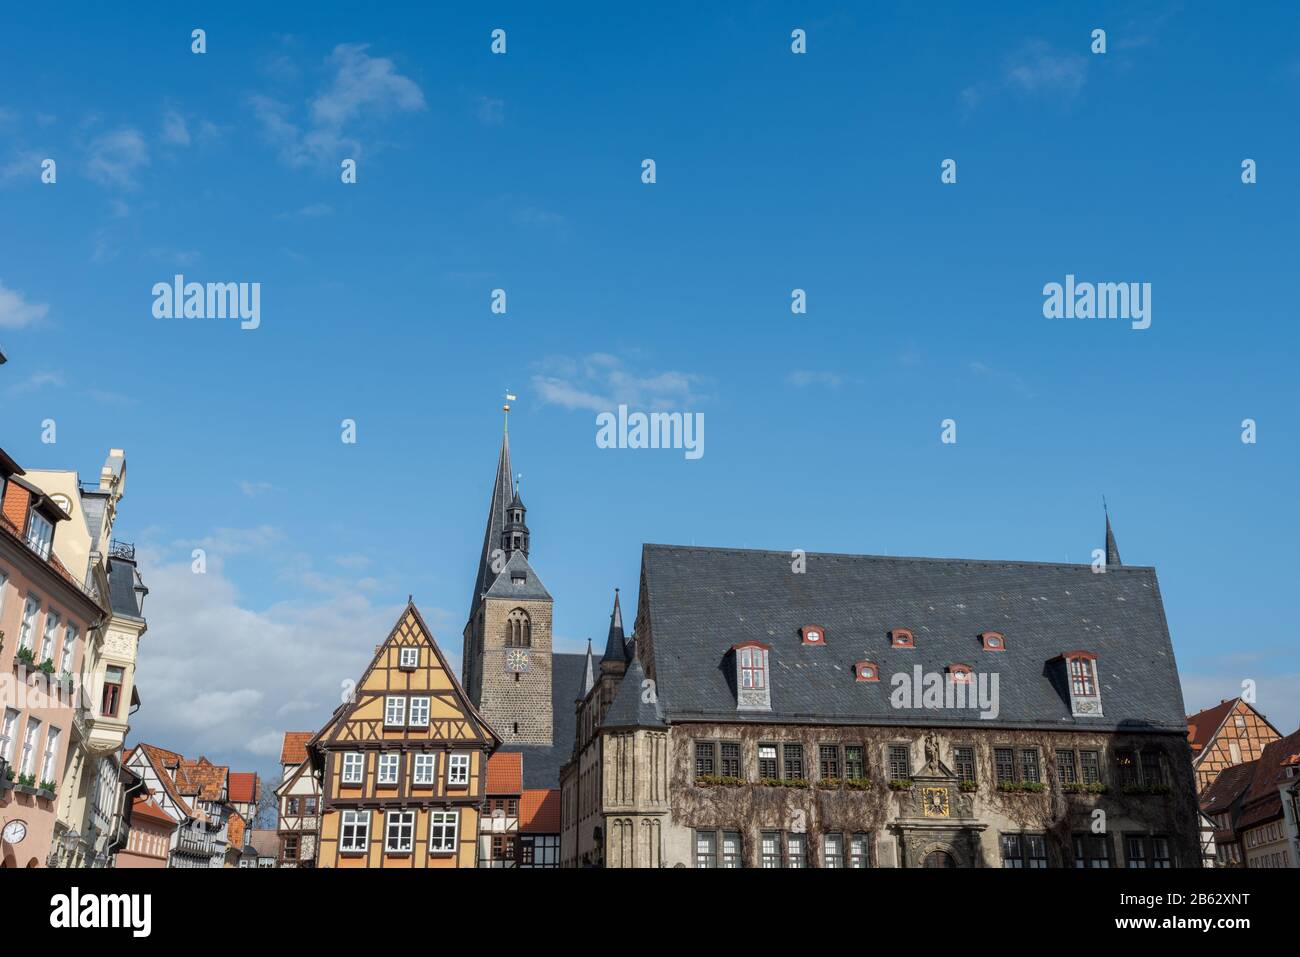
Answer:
(936, 818)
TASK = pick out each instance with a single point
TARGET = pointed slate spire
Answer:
(589, 680)
(1112, 550)
(616, 643)
(496, 523)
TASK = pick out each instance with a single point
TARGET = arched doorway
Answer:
(939, 859)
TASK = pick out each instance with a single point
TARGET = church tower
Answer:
(507, 652)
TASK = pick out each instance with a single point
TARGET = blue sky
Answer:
(774, 172)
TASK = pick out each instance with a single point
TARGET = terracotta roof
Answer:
(1228, 785)
(244, 787)
(235, 830)
(265, 841)
(143, 808)
(295, 747)
(1202, 726)
(164, 764)
(202, 779)
(505, 773)
(1263, 802)
(539, 811)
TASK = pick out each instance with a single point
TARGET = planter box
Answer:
(24, 789)
(48, 795)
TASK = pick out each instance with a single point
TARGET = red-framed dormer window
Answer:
(866, 671)
(813, 634)
(751, 665)
(1082, 669)
(960, 674)
(993, 641)
(901, 638)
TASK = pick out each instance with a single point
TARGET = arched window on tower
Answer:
(519, 630)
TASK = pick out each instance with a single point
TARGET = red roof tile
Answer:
(1202, 725)
(505, 773)
(244, 787)
(143, 808)
(539, 811)
(1263, 802)
(295, 747)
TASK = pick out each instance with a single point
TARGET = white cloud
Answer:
(36, 381)
(174, 129)
(253, 489)
(802, 378)
(599, 382)
(16, 312)
(237, 541)
(490, 110)
(1036, 69)
(116, 156)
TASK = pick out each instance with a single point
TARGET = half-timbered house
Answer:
(403, 763)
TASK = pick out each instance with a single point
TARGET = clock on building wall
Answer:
(62, 501)
(934, 802)
(14, 832)
(516, 660)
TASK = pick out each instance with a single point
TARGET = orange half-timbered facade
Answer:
(403, 764)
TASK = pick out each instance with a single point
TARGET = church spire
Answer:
(616, 643)
(590, 678)
(488, 566)
(1112, 550)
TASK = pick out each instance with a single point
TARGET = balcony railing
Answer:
(191, 843)
(123, 550)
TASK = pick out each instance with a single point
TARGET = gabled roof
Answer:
(1204, 725)
(1227, 787)
(505, 773)
(235, 827)
(265, 840)
(702, 601)
(244, 787)
(518, 581)
(294, 750)
(202, 779)
(1263, 802)
(539, 811)
(616, 641)
(144, 808)
(164, 765)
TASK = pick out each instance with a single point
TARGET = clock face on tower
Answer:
(14, 832)
(516, 660)
(934, 802)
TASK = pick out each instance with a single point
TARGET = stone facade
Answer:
(516, 703)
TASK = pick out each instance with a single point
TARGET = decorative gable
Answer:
(753, 676)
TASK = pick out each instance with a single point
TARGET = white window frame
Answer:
(389, 769)
(359, 764)
(445, 842)
(71, 634)
(8, 730)
(40, 534)
(27, 629)
(458, 770)
(51, 754)
(4, 581)
(31, 736)
(395, 707)
(49, 635)
(423, 721)
(359, 821)
(425, 768)
(394, 822)
(409, 657)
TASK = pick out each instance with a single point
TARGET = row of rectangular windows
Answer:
(786, 762)
(399, 832)
(779, 849)
(423, 770)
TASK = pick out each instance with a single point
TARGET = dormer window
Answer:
(813, 634)
(901, 638)
(753, 691)
(993, 641)
(866, 671)
(1081, 679)
(960, 674)
(40, 533)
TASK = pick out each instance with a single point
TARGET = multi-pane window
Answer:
(792, 756)
(1143, 851)
(1135, 854)
(394, 711)
(423, 769)
(704, 759)
(769, 848)
(1024, 850)
(408, 657)
(1153, 771)
(419, 712)
(731, 850)
(1091, 850)
(29, 746)
(27, 629)
(355, 833)
(1029, 764)
(855, 766)
(1160, 856)
(900, 765)
(353, 767)
(51, 753)
(399, 831)
(767, 761)
(51, 634)
(1090, 766)
(111, 700)
(796, 850)
(752, 673)
(1081, 678)
(7, 732)
(458, 770)
(443, 826)
(388, 765)
(1004, 764)
(1126, 764)
(66, 657)
(833, 850)
(830, 760)
(1066, 769)
(706, 848)
(859, 851)
(964, 758)
(40, 533)
(730, 759)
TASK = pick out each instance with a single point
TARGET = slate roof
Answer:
(121, 588)
(701, 601)
(615, 641)
(629, 709)
(505, 586)
(496, 521)
(542, 764)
